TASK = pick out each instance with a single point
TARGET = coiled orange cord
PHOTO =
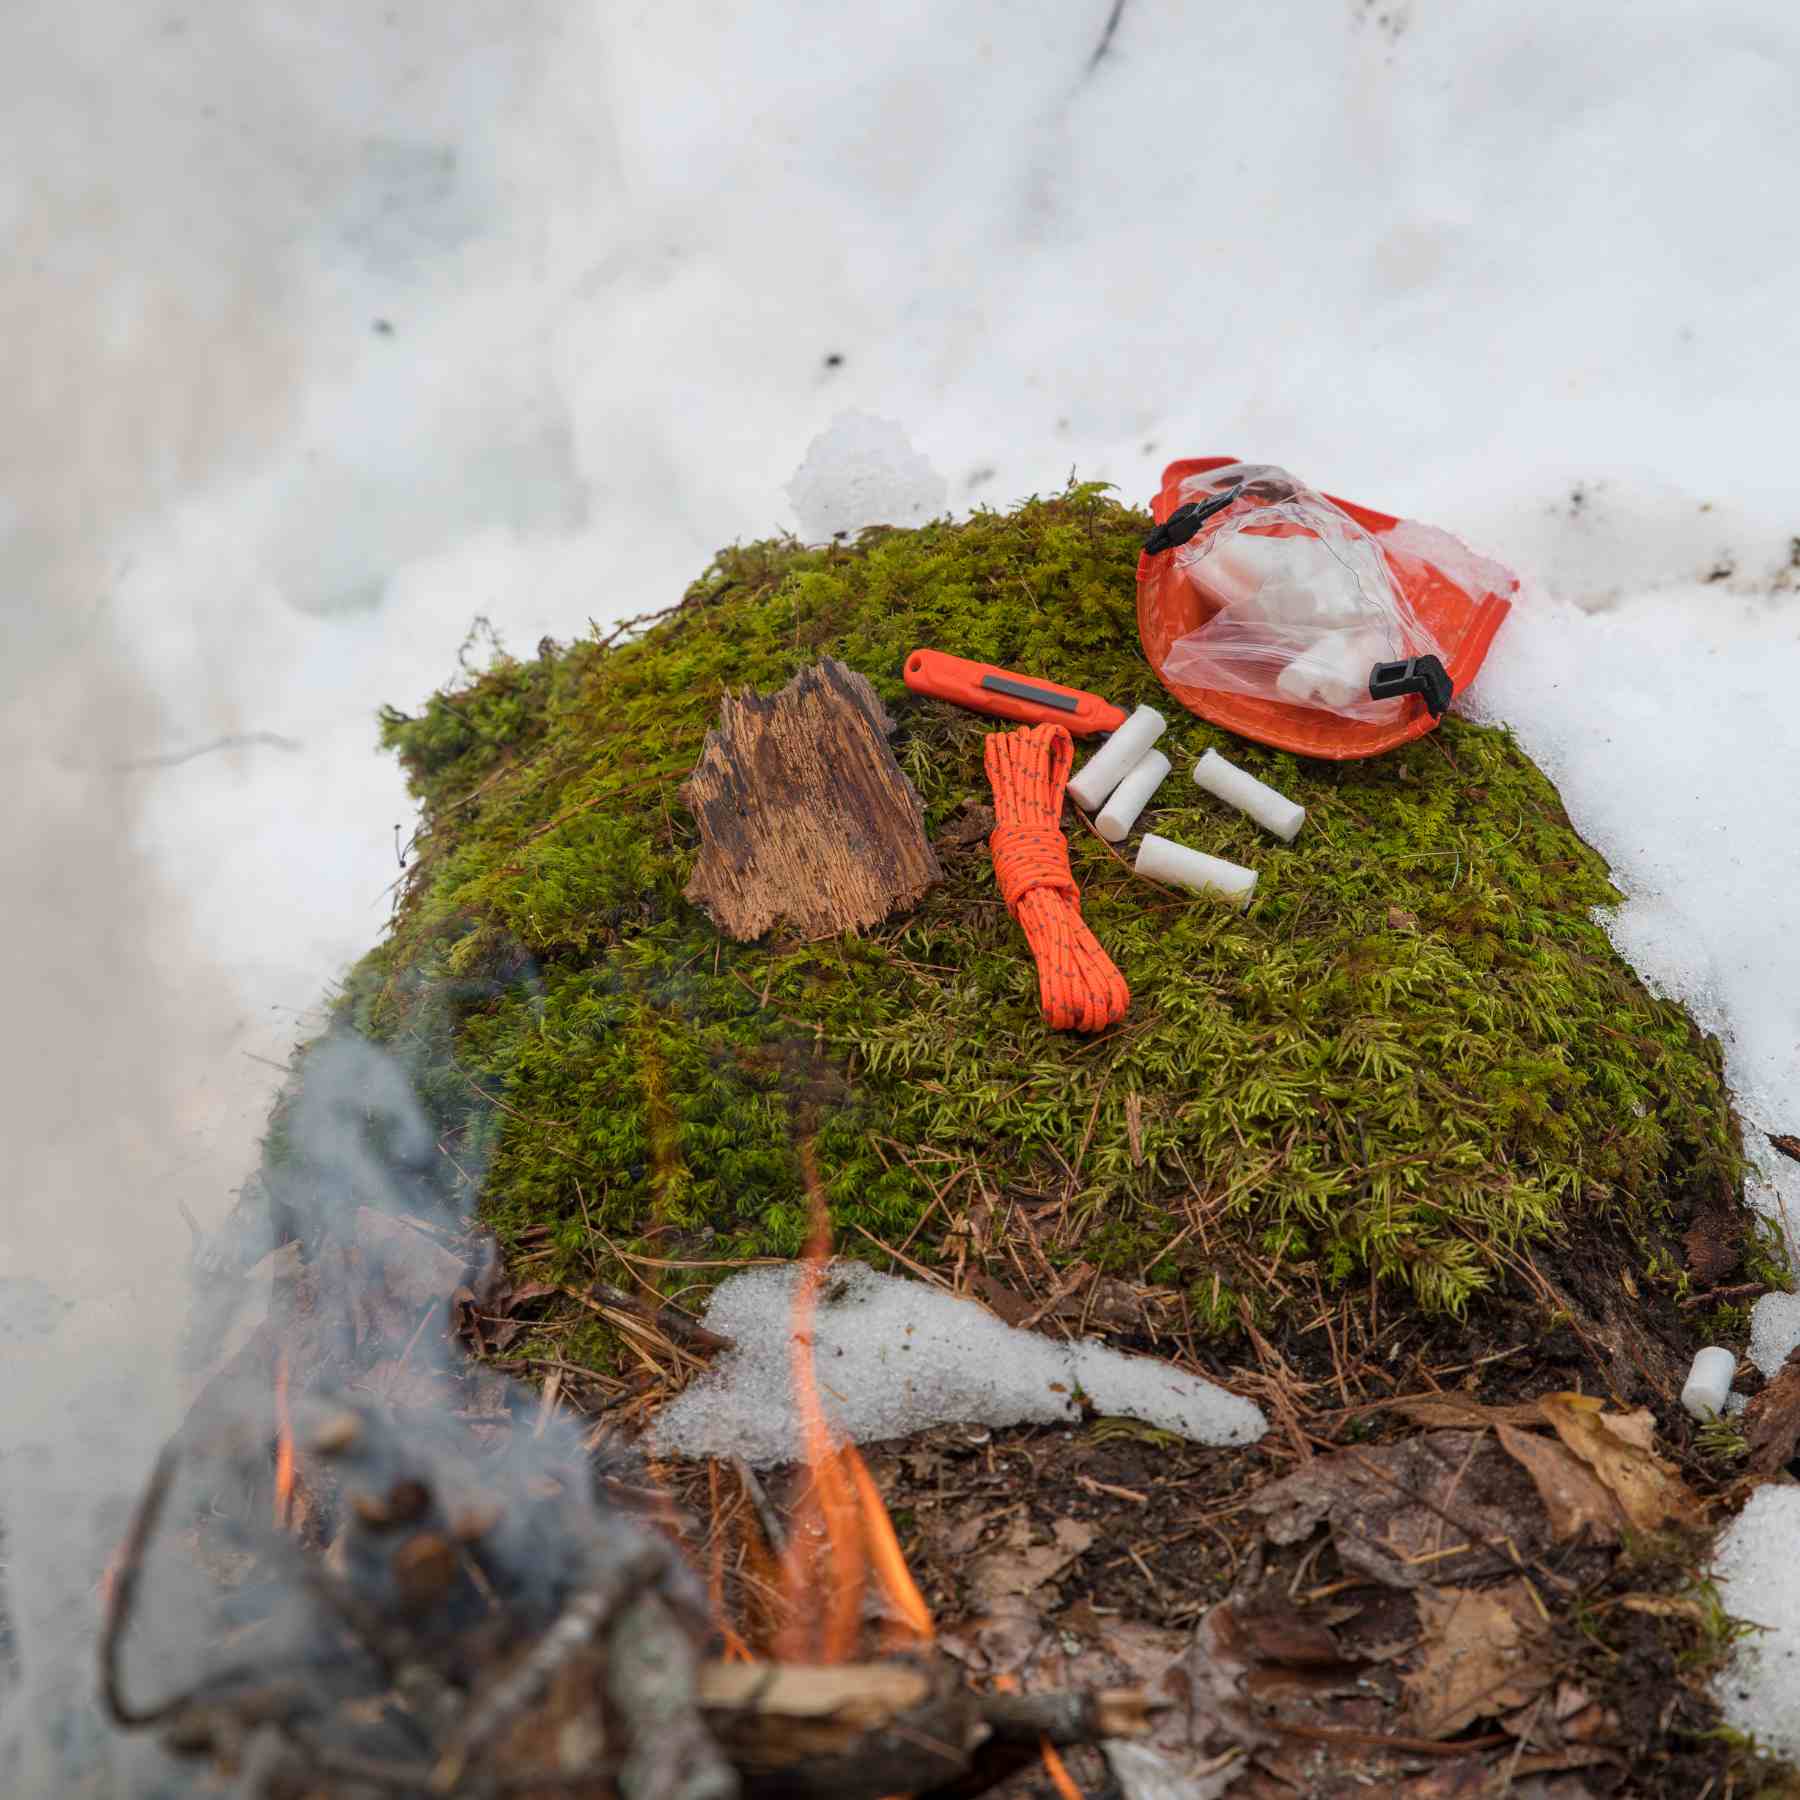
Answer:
(1078, 987)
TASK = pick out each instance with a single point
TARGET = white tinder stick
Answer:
(1116, 758)
(1131, 796)
(1179, 866)
(1238, 787)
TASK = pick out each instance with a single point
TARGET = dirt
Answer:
(1045, 1549)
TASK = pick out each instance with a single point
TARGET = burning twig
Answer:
(122, 1591)
(284, 1446)
(1067, 1719)
(587, 1615)
(441, 1703)
(858, 1730)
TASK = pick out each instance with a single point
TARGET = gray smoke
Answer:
(190, 197)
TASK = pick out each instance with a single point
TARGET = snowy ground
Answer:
(328, 327)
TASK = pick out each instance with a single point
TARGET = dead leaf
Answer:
(1010, 1635)
(466, 1319)
(1571, 1493)
(1006, 1305)
(1617, 1447)
(1772, 1420)
(1019, 1566)
(1482, 1655)
(1442, 1505)
(1144, 1773)
(1082, 1619)
(502, 1335)
(405, 1385)
(971, 825)
(415, 1270)
(967, 1532)
(1468, 1778)
(1401, 920)
(1194, 1749)
(1273, 1630)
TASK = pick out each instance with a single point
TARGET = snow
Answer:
(863, 471)
(335, 326)
(1774, 1331)
(894, 1356)
(1754, 1569)
(1669, 725)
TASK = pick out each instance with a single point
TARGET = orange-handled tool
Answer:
(983, 688)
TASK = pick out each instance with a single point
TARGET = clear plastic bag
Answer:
(1303, 601)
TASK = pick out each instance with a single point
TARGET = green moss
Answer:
(1416, 1051)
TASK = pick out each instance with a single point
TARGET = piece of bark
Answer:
(804, 815)
(1715, 1243)
(854, 1732)
(1772, 1420)
(857, 1731)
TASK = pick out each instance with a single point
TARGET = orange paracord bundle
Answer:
(1078, 986)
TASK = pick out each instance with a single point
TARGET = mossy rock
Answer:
(1415, 1057)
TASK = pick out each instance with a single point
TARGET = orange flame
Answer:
(910, 1618)
(284, 1445)
(840, 1535)
(1058, 1771)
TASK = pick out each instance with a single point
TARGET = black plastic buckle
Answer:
(1422, 675)
(1184, 521)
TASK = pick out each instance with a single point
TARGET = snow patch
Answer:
(862, 471)
(1754, 1569)
(1668, 725)
(894, 1356)
(1774, 1331)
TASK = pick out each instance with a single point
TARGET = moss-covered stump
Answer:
(1416, 1057)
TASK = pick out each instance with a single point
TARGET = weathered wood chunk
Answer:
(805, 817)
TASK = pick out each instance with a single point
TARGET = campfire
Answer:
(413, 1590)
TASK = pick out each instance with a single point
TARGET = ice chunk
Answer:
(894, 1356)
(1759, 1580)
(863, 471)
(1774, 1331)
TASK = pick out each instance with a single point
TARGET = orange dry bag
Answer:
(1306, 622)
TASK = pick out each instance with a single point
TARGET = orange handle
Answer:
(984, 689)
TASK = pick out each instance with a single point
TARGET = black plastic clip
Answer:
(1422, 675)
(1184, 521)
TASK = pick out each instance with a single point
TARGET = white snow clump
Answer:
(863, 471)
(893, 1356)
